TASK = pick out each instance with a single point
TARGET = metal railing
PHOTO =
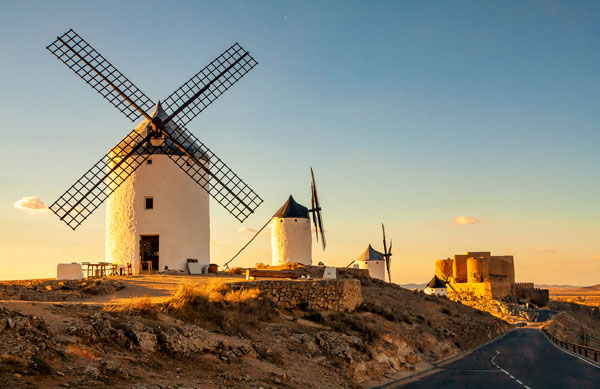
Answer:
(584, 351)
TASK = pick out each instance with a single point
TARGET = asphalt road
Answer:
(524, 358)
(544, 315)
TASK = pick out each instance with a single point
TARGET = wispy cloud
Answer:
(248, 230)
(544, 251)
(466, 220)
(32, 204)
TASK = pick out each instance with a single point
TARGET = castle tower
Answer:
(159, 214)
(443, 268)
(290, 234)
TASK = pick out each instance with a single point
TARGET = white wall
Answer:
(291, 241)
(180, 216)
(436, 291)
(376, 268)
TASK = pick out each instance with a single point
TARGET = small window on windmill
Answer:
(149, 161)
(149, 202)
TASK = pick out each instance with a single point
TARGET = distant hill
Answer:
(413, 286)
(546, 286)
(593, 287)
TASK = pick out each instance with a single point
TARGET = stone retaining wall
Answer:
(318, 295)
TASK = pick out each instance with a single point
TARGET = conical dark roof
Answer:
(370, 254)
(436, 283)
(292, 209)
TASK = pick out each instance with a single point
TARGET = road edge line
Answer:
(571, 353)
(442, 362)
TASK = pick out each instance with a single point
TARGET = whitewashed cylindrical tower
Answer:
(374, 261)
(158, 214)
(290, 235)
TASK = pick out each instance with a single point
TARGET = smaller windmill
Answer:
(374, 261)
(291, 240)
(387, 254)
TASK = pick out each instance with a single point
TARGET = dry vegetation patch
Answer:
(212, 305)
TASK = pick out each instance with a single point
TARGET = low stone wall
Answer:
(311, 294)
(488, 289)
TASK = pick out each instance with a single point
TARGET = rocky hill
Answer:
(212, 337)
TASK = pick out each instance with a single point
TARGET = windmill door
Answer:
(149, 250)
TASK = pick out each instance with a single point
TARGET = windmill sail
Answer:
(316, 210)
(214, 175)
(95, 70)
(387, 253)
(209, 84)
(206, 169)
(102, 179)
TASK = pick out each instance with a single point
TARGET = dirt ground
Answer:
(81, 339)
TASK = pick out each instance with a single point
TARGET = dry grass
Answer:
(141, 306)
(213, 305)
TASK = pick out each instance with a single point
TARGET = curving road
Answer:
(524, 358)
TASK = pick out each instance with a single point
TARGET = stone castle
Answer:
(486, 275)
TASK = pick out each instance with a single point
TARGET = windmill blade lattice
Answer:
(212, 174)
(95, 70)
(209, 83)
(86, 195)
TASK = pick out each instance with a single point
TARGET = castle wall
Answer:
(500, 289)
(486, 289)
(477, 270)
(479, 254)
(518, 287)
(459, 268)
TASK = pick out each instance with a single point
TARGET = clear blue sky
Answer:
(411, 113)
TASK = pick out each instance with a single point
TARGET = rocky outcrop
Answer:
(53, 290)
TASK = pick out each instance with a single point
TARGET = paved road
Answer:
(525, 354)
(544, 315)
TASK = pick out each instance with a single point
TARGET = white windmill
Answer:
(290, 230)
(291, 240)
(374, 261)
(155, 212)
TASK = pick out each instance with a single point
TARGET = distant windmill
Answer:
(374, 261)
(387, 254)
(290, 230)
(158, 199)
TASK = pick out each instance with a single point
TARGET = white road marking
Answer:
(505, 372)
